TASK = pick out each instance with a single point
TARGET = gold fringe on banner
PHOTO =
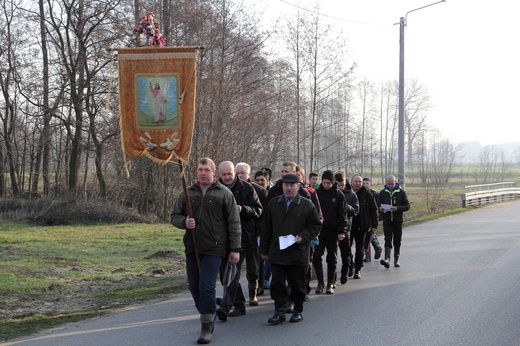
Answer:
(156, 115)
(158, 56)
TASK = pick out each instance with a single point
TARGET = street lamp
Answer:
(402, 23)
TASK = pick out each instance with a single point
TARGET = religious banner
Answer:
(157, 102)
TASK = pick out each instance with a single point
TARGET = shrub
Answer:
(70, 212)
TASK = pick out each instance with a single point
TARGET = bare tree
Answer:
(326, 74)
(9, 80)
(438, 160)
(74, 28)
(493, 165)
(417, 105)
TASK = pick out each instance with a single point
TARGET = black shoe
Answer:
(319, 288)
(343, 278)
(350, 271)
(296, 317)
(357, 275)
(289, 307)
(278, 317)
(386, 263)
(397, 264)
(222, 314)
(253, 302)
(329, 290)
(260, 291)
(379, 250)
(236, 311)
(219, 301)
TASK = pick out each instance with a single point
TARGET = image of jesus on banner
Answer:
(157, 101)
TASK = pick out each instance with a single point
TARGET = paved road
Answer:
(459, 284)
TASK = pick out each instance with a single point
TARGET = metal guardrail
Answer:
(489, 193)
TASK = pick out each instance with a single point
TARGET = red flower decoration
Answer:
(149, 28)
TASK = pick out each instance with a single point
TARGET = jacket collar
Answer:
(296, 199)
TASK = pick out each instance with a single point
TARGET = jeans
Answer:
(202, 285)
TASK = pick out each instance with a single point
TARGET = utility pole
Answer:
(402, 24)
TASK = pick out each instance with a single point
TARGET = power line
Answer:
(332, 17)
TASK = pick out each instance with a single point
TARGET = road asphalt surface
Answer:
(458, 284)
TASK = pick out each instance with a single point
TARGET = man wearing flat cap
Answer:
(290, 223)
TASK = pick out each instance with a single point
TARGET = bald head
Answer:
(226, 170)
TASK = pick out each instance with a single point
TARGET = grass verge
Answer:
(54, 275)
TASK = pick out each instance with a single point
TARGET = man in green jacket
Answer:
(216, 226)
(290, 223)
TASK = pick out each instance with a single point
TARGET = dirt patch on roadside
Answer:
(66, 297)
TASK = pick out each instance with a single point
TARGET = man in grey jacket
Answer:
(215, 224)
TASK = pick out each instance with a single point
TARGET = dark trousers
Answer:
(261, 273)
(358, 236)
(267, 270)
(329, 241)
(295, 278)
(393, 234)
(233, 294)
(308, 274)
(202, 285)
(346, 253)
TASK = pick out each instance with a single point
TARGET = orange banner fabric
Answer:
(157, 102)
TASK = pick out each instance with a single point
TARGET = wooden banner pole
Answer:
(190, 212)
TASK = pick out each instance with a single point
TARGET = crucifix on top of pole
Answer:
(402, 23)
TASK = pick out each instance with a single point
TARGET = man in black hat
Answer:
(290, 223)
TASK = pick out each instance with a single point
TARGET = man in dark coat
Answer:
(352, 207)
(393, 202)
(364, 223)
(335, 228)
(293, 219)
(367, 183)
(243, 171)
(250, 209)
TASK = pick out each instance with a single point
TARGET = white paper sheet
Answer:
(286, 241)
(386, 207)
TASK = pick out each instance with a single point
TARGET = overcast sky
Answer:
(466, 52)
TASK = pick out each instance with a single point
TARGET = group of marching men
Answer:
(281, 229)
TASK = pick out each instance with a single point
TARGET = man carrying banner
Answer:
(216, 224)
